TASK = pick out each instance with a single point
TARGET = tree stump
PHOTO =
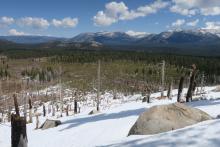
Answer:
(18, 131)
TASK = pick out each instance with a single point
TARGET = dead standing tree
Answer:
(18, 128)
(170, 88)
(192, 84)
(30, 110)
(180, 89)
(61, 96)
(44, 110)
(162, 78)
(75, 102)
(98, 85)
(16, 105)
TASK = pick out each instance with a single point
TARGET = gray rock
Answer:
(164, 118)
(93, 112)
(50, 124)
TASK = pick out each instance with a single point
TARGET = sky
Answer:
(67, 18)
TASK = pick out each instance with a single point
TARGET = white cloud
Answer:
(65, 22)
(101, 19)
(115, 11)
(14, 32)
(152, 8)
(211, 11)
(114, 8)
(193, 7)
(212, 25)
(178, 23)
(34, 22)
(5, 21)
(183, 11)
(133, 33)
(193, 23)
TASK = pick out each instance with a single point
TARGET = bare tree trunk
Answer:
(192, 84)
(67, 110)
(75, 106)
(37, 121)
(44, 110)
(49, 108)
(148, 97)
(18, 131)
(57, 107)
(53, 110)
(61, 110)
(75, 102)
(30, 111)
(180, 90)
(61, 99)
(99, 84)
(9, 114)
(202, 83)
(169, 93)
(114, 94)
(162, 78)
(16, 105)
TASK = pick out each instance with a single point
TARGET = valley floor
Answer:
(111, 127)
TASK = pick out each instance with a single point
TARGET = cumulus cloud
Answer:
(193, 23)
(65, 22)
(115, 11)
(211, 25)
(101, 19)
(182, 10)
(34, 22)
(211, 11)
(178, 23)
(193, 7)
(5, 21)
(14, 32)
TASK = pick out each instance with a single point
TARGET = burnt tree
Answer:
(18, 128)
(44, 111)
(180, 89)
(30, 110)
(75, 103)
(16, 105)
(192, 84)
(18, 131)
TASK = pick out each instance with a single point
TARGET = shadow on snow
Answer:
(100, 117)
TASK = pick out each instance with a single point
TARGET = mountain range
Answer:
(178, 40)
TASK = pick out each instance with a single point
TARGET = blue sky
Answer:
(67, 18)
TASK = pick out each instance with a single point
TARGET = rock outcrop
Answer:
(50, 124)
(164, 118)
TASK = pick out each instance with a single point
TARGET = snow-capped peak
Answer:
(136, 34)
(212, 31)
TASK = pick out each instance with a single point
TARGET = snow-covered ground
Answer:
(111, 126)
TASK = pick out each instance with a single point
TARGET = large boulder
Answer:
(164, 118)
(50, 124)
